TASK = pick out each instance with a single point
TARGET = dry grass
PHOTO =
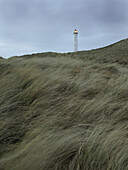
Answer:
(64, 112)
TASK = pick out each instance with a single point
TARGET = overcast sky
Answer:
(28, 26)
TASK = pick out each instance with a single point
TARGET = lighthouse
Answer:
(75, 40)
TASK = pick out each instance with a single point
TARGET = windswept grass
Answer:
(65, 111)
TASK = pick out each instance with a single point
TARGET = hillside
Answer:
(115, 53)
(65, 111)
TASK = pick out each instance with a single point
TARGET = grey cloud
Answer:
(47, 25)
(13, 11)
(111, 11)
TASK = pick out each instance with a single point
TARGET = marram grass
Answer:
(65, 111)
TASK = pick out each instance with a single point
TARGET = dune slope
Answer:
(65, 111)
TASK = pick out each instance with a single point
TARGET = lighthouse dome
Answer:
(75, 32)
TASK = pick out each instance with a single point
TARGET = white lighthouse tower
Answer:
(75, 40)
